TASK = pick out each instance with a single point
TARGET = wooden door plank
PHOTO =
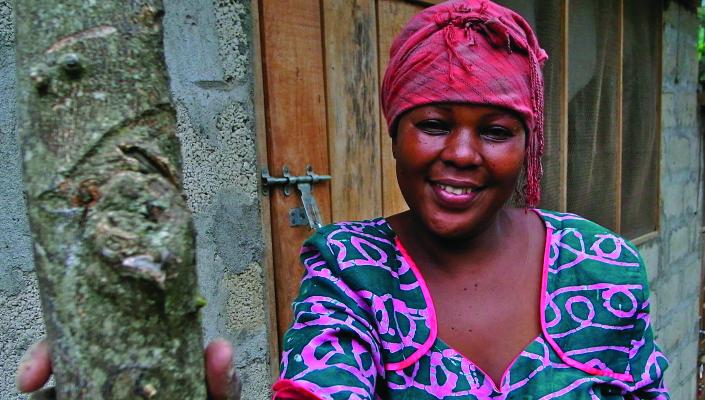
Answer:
(296, 128)
(350, 30)
(620, 125)
(392, 15)
(261, 126)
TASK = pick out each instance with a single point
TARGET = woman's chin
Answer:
(453, 228)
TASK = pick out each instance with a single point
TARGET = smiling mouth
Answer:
(458, 191)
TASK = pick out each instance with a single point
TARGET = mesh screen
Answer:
(544, 17)
(640, 118)
(593, 52)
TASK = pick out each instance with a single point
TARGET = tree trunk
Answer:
(113, 238)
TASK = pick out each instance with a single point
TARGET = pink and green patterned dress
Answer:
(365, 327)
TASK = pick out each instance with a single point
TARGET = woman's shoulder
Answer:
(558, 220)
(585, 236)
(581, 252)
(372, 225)
(374, 229)
(347, 244)
(596, 295)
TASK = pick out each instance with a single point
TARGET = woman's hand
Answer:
(223, 383)
(221, 379)
(35, 368)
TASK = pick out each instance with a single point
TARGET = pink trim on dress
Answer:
(434, 322)
(431, 314)
(542, 305)
(544, 294)
(286, 389)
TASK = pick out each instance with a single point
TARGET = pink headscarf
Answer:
(470, 51)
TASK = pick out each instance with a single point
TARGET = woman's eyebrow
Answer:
(501, 115)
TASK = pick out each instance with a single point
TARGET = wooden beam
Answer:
(563, 202)
(620, 109)
(392, 16)
(296, 128)
(261, 128)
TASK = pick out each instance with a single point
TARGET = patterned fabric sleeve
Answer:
(646, 361)
(331, 350)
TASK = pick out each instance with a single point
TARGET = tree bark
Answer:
(113, 238)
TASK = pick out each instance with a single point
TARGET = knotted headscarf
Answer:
(471, 51)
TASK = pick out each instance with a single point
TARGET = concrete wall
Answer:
(208, 52)
(20, 313)
(674, 257)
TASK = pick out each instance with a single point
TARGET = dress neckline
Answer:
(503, 382)
(433, 321)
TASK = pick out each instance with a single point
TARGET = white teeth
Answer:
(455, 190)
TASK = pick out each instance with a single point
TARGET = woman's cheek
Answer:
(508, 159)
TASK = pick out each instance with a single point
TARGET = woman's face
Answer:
(457, 164)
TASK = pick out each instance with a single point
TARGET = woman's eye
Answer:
(498, 133)
(433, 127)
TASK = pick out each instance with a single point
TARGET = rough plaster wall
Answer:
(674, 258)
(208, 52)
(20, 313)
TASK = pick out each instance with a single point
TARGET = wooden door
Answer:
(322, 66)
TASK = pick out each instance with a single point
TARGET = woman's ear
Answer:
(393, 133)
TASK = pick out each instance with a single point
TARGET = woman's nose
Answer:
(461, 149)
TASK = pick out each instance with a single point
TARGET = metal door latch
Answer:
(309, 214)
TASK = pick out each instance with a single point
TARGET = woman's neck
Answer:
(450, 254)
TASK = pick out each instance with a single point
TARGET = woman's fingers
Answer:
(223, 383)
(35, 368)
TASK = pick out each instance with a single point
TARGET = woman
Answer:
(462, 296)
